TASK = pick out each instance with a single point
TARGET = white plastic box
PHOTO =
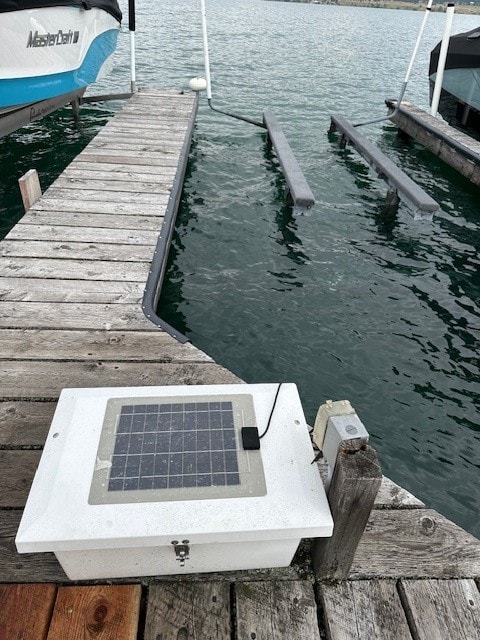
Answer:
(155, 480)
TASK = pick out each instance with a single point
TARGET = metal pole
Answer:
(409, 71)
(131, 27)
(206, 57)
(442, 58)
(419, 38)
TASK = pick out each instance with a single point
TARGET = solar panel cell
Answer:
(160, 446)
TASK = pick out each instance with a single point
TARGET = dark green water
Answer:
(347, 302)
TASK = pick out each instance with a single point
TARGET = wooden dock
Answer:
(452, 146)
(72, 313)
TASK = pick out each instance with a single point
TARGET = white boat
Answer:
(52, 49)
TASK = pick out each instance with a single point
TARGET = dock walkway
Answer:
(73, 273)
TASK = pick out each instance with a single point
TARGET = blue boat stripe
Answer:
(18, 91)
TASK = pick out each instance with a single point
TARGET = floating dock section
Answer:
(452, 146)
(73, 281)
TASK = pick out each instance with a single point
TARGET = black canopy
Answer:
(111, 6)
(463, 52)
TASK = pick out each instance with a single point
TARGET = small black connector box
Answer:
(250, 438)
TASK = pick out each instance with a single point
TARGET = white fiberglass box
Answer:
(156, 480)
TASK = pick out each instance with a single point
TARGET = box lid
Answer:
(102, 480)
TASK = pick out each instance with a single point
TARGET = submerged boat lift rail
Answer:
(299, 194)
(401, 186)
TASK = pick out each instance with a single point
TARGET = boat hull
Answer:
(52, 51)
(460, 95)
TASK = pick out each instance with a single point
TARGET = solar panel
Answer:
(176, 448)
(165, 446)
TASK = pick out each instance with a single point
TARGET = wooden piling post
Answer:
(30, 188)
(355, 482)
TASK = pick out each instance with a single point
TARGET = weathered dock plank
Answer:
(276, 611)
(66, 233)
(149, 141)
(121, 171)
(392, 496)
(49, 315)
(74, 269)
(136, 146)
(415, 543)
(71, 250)
(93, 195)
(24, 423)
(441, 609)
(86, 185)
(188, 611)
(134, 346)
(93, 291)
(45, 379)
(114, 176)
(117, 156)
(79, 205)
(17, 469)
(94, 220)
(364, 609)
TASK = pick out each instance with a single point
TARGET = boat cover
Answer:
(111, 6)
(463, 52)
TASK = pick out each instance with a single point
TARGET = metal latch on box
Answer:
(182, 551)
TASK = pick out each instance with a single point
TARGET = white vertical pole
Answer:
(442, 59)
(133, 79)
(131, 28)
(419, 39)
(414, 54)
(206, 57)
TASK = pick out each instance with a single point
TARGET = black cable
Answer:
(271, 413)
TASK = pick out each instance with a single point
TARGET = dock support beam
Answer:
(299, 194)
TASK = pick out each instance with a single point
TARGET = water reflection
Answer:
(172, 299)
(287, 223)
(384, 213)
